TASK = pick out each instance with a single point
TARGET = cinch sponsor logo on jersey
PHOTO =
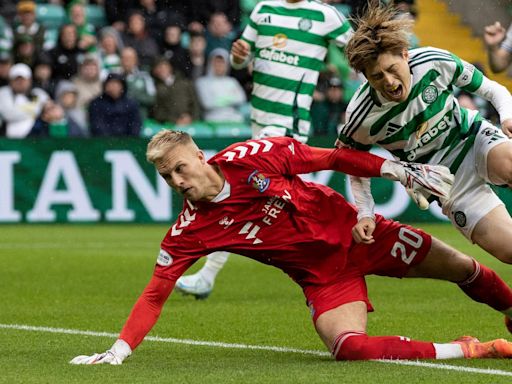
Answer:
(279, 56)
(430, 134)
(259, 181)
(274, 206)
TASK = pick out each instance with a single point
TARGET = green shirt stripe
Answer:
(282, 83)
(302, 13)
(476, 81)
(432, 110)
(429, 77)
(302, 36)
(278, 108)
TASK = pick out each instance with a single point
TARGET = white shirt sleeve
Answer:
(498, 95)
(361, 189)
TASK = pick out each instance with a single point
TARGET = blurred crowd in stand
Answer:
(107, 67)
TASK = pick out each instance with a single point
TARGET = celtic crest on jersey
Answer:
(429, 94)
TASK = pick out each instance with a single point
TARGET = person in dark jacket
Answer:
(66, 55)
(113, 113)
(176, 100)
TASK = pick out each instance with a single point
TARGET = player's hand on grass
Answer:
(420, 180)
(114, 356)
(362, 232)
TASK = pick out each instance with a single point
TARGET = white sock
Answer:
(448, 351)
(214, 263)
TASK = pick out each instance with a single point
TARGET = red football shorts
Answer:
(397, 248)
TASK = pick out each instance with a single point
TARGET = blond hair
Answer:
(378, 31)
(164, 141)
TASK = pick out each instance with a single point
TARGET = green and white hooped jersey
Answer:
(430, 126)
(289, 43)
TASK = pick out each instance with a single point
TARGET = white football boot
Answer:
(194, 285)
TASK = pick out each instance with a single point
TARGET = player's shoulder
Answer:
(428, 55)
(328, 10)
(251, 149)
(267, 5)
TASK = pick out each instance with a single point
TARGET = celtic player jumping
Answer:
(407, 106)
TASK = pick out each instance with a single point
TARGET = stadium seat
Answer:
(235, 130)
(199, 130)
(96, 16)
(51, 16)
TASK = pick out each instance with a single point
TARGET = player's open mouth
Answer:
(395, 93)
(185, 190)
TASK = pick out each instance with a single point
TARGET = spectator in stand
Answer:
(138, 38)
(26, 17)
(196, 53)
(86, 31)
(25, 50)
(6, 36)
(117, 11)
(328, 112)
(220, 96)
(202, 11)
(42, 74)
(499, 46)
(110, 51)
(52, 122)
(66, 96)
(5, 66)
(87, 82)
(140, 84)
(21, 103)
(176, 100)
(173, 51)
(219, 33)
(113, 113)
(67, 54)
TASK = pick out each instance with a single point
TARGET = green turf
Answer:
(88, 277)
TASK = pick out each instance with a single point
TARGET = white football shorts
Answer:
(472, 198)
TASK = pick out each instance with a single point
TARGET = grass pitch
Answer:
(85, 277)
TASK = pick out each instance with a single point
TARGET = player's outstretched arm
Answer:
(143, 317)
(420, 180)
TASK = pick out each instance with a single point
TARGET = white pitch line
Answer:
(21, 327)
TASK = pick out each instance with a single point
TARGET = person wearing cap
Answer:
(220, 96)
(26, 25)
(21, 103)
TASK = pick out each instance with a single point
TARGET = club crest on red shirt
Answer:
(259, 181)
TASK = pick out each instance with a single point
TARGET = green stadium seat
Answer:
(51, 16)
(198, 130)
(235, 130)
(96, 15)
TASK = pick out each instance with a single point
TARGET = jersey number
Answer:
(408, 237)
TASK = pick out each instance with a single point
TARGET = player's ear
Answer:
(201, 156)
(405, 54)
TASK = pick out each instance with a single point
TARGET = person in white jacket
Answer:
(21, 104)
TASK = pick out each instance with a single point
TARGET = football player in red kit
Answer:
(249, 200)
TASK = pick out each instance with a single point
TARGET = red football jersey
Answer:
(271, 215)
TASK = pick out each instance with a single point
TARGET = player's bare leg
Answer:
(494, 234)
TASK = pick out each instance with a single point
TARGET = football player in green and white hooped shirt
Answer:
(288, 41)
(408, 107)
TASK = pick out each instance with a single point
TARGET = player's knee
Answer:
(351, 347)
